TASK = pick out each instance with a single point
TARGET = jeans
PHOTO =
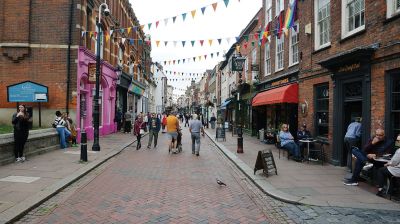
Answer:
(64, 134)
(349, 143)
(361, 159)
(293, 148)
(151, 134)
(20, 137)
(138, 143)
(195, 140)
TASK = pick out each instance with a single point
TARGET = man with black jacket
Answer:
(154, 127)
(376, 147)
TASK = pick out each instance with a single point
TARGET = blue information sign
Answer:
(27, 92)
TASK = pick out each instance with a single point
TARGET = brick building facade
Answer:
(48, 42)
(348, 66)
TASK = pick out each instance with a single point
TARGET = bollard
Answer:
(83, 147)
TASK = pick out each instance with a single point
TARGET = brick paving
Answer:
(151, 186)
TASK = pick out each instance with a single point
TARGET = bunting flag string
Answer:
(186, 74)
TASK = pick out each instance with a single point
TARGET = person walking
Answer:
(138, 130)
(164, 123)
(187, 117)
(195, 127)
(118, 119)
(172, 130)
(154, 128)
(20, 121)
(212, 120)
(352, 139)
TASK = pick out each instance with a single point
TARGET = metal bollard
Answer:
(83, 147)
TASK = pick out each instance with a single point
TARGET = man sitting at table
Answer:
(304, 134)
(377, 146)
(392, 168)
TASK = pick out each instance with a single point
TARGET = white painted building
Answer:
(161, 87)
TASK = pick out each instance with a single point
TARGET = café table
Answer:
(308, 141)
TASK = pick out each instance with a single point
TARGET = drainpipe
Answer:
(71, 7)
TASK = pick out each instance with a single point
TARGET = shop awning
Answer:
(224, 104)
(284, 94)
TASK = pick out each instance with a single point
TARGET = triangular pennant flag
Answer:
(173, 61)
(131, 41)
(210, 41)
(183, 61)
(212, 55)
(214, 5)
(183, 43)
(122, 30)
(237, 47)
(149, 25)
(123, 40)
(175, 43)
(192, 42)
(205, 57)
(107, 37)
(183, 16)
(166, 21)
(157, 22)
(194, 58)
(217, 53)
(246, 37)
(83, 33)
(252, 43)
(219, 41)
(193, 12)
(245, 45)
(226, 3)
(165, 43)
(157, 42)
(95, 35)
(179, 61)
(237, 39)
(111, 32)
(129, 30)
(203, 9)
(228, 39)
(140, 42)
(199, 57)
(173, 19)
(256, 36)
(201, 42)
(165, 62)
(134, 28)
(141, 27)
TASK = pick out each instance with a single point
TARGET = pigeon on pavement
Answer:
(220, 182)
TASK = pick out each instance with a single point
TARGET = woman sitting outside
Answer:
(287, 142)
(392, 168)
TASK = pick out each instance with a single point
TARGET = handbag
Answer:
(141, 131)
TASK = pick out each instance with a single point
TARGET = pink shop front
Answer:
(86, 92)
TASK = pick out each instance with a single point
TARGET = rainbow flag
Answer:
(290, 15)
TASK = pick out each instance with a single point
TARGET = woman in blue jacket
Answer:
(287, 142)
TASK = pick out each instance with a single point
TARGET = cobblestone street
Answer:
(150, 186)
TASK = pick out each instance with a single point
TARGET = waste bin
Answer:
(261, 134)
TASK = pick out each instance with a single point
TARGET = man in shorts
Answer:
(172, 129)
(195, 127)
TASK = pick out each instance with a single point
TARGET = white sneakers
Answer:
(368, 166)
(20, 159)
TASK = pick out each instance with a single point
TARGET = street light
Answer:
(96, 112)
(237, 65)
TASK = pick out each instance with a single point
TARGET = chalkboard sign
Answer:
(265, 160)
(220, 133)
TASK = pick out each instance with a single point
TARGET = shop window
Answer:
(353, 17)
(279, 6)
(321, 110)
(322, 25)
(268, 11)
(395, 105)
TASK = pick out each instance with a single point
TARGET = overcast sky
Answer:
(223, 23)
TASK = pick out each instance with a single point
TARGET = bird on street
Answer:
(220, 182)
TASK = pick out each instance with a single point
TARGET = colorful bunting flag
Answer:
(203, 9)
(183, 43)
(210, 41)
(165, 22)
(149, 25)
(226, 3)
(173, 19)
(214, 5)
(183, 16)
(192, 42)
(201, 42)
(157, 22)
(157, 42)
(193, 12)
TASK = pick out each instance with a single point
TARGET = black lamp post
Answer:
(96, 112)
(237, 65)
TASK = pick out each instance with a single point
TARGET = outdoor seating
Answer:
(278, 145)
(318, 151)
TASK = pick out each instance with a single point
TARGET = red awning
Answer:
(284, 94)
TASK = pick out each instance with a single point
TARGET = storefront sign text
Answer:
(92, 72)
(350, 68)
(280, 82)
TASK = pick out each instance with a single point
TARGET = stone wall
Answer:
(39, 142)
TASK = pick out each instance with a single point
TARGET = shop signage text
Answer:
(280, 82)
(27, 92)
(349, 68)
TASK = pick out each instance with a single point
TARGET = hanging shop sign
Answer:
(255, 67)
(238, 63)
(280, 82)
(135, 89)
(350, 68)
(92, 73)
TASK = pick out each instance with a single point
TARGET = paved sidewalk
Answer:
(307, 183)
(25, 185)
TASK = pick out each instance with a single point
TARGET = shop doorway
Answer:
(352, 108)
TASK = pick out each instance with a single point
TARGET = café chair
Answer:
(391, 186)
(278, 145)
